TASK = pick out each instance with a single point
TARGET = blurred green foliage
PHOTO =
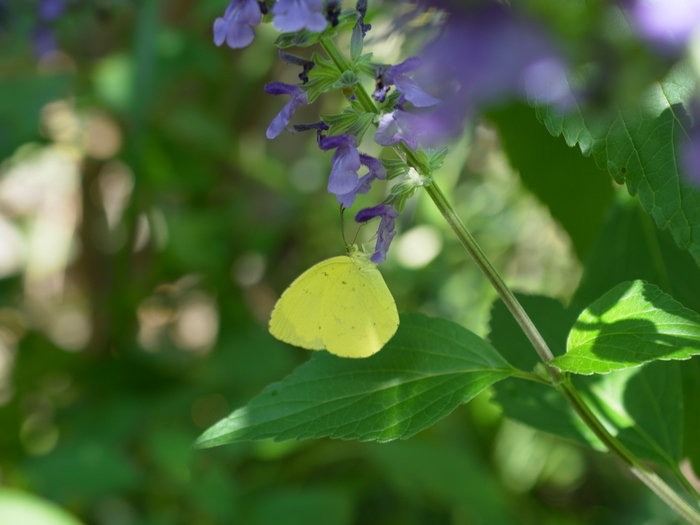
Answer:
(147, 228)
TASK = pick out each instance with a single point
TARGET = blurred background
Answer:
(147, 228)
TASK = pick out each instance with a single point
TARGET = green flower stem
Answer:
(558, 380)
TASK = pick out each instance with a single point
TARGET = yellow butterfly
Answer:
(341, 304)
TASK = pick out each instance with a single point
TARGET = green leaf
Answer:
(430, 367)
(690, 374)
(632, 324)
(641, 406)
(322, 78)
(356, 42)
(394, 168)
(347, 80)
(365, 66)
(361, 125)
(638, 147)
(629, 247)
(340, 123)
(22, 507)
(441, 470)
(577, 193)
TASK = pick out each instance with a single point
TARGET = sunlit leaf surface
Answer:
(632, 324)
(430, 367)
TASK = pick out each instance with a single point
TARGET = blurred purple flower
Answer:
(51, 9)
(364, 183)
(691, 156)
(399, 126)
(396, 75)
(385, 233)
(43, 40)
(280, 122)
(295, 15)
(484, 56)
(345, 164)
(235, 27)
(670, 23)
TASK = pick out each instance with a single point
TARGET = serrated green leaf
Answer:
(638, 146)
(430, 367)
(632, 324)
(641, 406)
(628, 248)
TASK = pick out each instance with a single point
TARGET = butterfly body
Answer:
(341, 304)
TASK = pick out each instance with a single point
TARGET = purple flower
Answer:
(295, 15)
(344, 165)
(691, 155)
(398, 126)
(396, 75)
(235, 28)
(670, 23)
(279, 123)
(484, 56)
(51, 9)
(386, 231)
(364, 183)
(43, 40)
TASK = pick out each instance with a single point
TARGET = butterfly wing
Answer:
(297, 316)
(359, 314)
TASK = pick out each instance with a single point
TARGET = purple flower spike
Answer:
(385, 233)
(235, 28)
(376, 171)
(295, 15)
(279, 123)
(398, 126)
(396, 75)
(345, 163)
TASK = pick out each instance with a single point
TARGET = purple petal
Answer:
(280, 122)
(345, 164)
(408, 65)
(667, 22)
(234, 27)
(364, 184)
(336, 141)
(413, 93)
(295, 15)
(395, 127)
(385, 232)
